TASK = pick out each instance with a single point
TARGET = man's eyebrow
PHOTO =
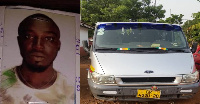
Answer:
(52, 32)
(49, 32)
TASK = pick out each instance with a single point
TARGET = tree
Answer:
(93, 11)
(152, 12)
(100, 10)
(194, 32)
(175, 19)
(161, 21)
(191, 28)
(196, 15)
(133, 9)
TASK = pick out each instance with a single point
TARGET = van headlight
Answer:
(103, 79)
(190, 78)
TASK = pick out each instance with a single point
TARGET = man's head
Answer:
(39, 41)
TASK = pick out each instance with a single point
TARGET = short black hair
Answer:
(38, 16)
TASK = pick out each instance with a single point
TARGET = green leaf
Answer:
(8, 79)
(9, 73)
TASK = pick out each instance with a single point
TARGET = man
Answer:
(35, 80)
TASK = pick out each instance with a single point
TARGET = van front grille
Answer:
(148, 79)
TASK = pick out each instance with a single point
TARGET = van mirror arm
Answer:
(194, 47)
(85, 46)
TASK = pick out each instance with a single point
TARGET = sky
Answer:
(185, 7)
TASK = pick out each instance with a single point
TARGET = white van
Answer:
(134, 61)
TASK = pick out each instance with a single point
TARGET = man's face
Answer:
(39, 44)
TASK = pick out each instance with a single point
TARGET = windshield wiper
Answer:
(112, 49)
(179, 50)
(149, 50)
(144, 49)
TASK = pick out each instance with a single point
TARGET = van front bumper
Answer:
(128, 93)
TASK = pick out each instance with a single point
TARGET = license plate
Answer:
(148, 93)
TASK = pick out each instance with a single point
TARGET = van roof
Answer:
(136, 22)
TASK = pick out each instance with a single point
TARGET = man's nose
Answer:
(38, 44)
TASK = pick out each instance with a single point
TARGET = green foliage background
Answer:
(192, 29)
(93, 11)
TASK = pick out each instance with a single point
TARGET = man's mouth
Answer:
(37, 58)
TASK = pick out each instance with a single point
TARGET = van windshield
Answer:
(139, 35)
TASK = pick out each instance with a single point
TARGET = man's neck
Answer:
(37, 80)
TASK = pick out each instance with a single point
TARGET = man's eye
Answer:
(29, 37)
(49, 39)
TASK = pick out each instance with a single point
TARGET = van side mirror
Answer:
(85, 46)
(194, 47)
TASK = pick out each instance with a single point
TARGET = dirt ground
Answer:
(86, 96)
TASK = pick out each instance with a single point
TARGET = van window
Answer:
(135, 35)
